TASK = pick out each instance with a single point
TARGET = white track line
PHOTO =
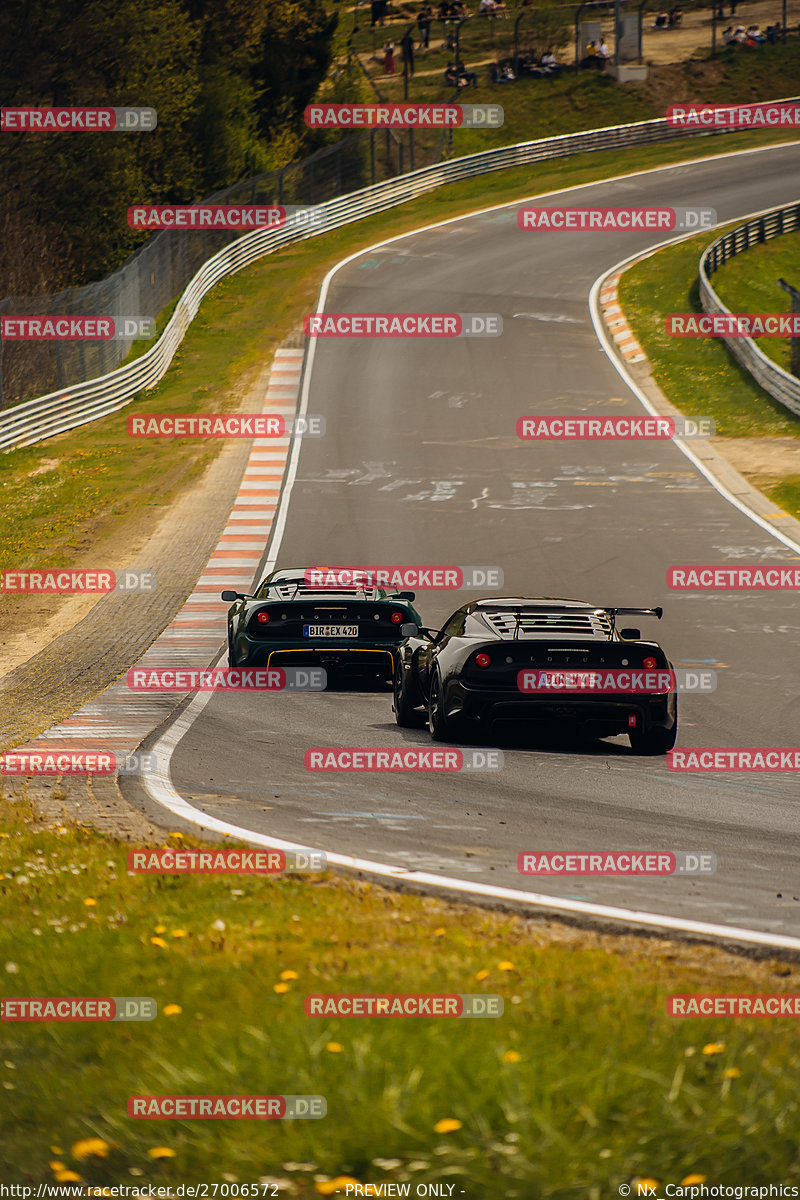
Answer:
(159, 784)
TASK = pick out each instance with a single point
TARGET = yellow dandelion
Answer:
(157, 941)
(161, 1152)
(90, 902)
(160, 929)
(179, 933)
(505, 965)
(447, 1125)
(329, 1187)
(90, 1148)
(692, 1179)
(280, 988)
(483, 974)
(334, 1047)
(56, 1150)
(713, 1048)
(731, 1073)
(440, 932)
(67, 1177)
(57, 1166)
(177, 835)
(171, 1010)
(289, 975)
(512, 1056)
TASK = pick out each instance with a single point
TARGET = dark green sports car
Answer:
(352, 632)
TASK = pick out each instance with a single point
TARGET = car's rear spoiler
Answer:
(612, 610)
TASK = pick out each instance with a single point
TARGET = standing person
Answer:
(424, 23)
(733, 7)
(407, 50)
(388, 57)
(603, 53)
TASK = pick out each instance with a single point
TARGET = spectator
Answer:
(487, 8)
(378, 12)
(591, 59)
(500, 9)
(603, 53)
(465, 77)
(733, 7)
(774, 32)
(675, 17)
(451, 75)
(407, 51)
(720, 12)
(443, 12)
(662, 20)
(424, 25)
(388, 57)
(548, 60)
(458, 10)
(754, 36)
(500, 74)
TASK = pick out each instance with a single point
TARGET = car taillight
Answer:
(397, 617)
(482, 660)
(263, 618)
(650, 664)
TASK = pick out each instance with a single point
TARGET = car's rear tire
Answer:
(404, 712)
(442, 728)
(655, 741)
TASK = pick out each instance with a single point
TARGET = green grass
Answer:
(699, 375)
(605, 1086)
(749, 283)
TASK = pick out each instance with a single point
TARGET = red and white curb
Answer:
(616, 322)
(118, 719)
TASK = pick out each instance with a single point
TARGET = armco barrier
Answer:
(34, 420)
(782, 386)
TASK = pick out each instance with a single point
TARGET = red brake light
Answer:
(482, 660)
(263, 618)
(397, 617)
(650, 663)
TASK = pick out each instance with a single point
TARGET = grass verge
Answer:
(699, 375)
(584, 1084)
(749, 283)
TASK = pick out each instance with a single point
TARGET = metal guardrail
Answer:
(32, 421)
(781, 385)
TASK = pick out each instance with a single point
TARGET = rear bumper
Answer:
(602, 715)
(355, 660)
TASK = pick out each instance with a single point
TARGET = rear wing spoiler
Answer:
(612, 611)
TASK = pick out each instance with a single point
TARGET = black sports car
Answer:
(548, 660)
(289, 622)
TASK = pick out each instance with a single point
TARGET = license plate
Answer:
(330, 631)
